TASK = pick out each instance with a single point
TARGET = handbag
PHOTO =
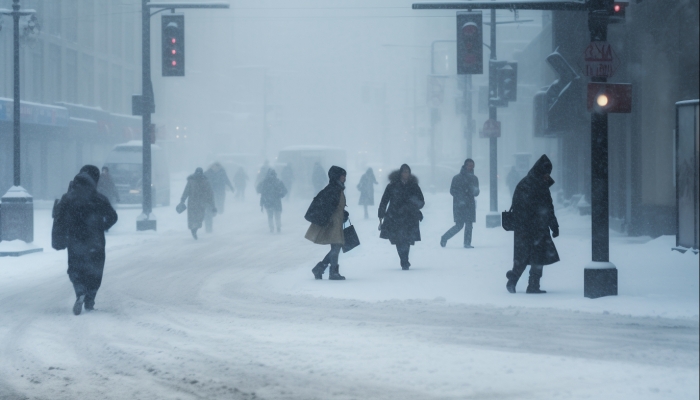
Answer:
(508, 220)
(351, 238)
(180, 208)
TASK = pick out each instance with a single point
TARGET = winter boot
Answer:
(512, 281)
(405, 265)
(534, 285)
(318, 270)
(443, 242)
(194, 234)
(334, 274)
(78, 306)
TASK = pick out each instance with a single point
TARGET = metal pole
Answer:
(493, 115)
(468, 111)
(16, 113)
(147, 101)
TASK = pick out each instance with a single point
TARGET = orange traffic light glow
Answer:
(602, 100)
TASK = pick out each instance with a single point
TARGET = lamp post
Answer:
(17, 211)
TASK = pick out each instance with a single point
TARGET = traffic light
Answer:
(619, 8)
(508, 81)
(608, 98)
(470, 42)
(173, 34)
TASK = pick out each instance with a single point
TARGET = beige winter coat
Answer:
(333, 232)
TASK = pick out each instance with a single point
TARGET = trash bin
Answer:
(17, 215)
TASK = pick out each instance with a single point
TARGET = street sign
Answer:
(491, 129)
(601, 60)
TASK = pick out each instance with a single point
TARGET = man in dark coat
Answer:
(272, 191)
(107, 187)
(464, 188)
(534, 217)
(366, 188)
(400, 222)
(84, 215)
(218, 180)
(199, 197)
(240, 179)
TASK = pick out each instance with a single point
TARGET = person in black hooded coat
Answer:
(533, 212)
(85, 215)
(400, 221)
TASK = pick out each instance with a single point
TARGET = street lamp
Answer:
(17, 211)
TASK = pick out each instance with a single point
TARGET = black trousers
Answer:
(535, 270)
(468, 226)
(332, 256)
(85, 272)
(403, 249)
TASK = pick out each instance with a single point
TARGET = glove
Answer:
(346, 216)
(555, 231)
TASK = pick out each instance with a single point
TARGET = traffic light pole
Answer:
(493, 218)
(147, 221)
(600, 276)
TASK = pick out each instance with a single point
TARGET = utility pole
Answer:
(17, 212)
(468, 112)
(493, 218)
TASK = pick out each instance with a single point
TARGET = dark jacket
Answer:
(534, 217)
(366, 188)
(271, 191)
(199, 197)
(326, 201)
(83, 215)
(402, 217)
(107, 187)
(218, 180)
(465, 186)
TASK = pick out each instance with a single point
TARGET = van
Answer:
(125, 163)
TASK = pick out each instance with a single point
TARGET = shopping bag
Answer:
(351, 238)
(508, 220)
(181, 208)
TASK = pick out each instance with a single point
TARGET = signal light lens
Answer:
(174, 63)
(617, 8)
(602, 100)
(174, 52)
(173, 41)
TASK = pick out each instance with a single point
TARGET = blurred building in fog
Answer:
(79, 67)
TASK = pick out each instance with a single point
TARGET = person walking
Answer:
(219, 182)
(199, 197)
(534, 217)
(240, 179)
(106, 186)
(400, 221)
(272, 191)
(464, 189)
(366, 188)
(327, 215)
(81, 218)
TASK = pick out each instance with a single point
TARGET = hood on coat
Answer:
(92, 171)
(542, 167)
(197, 176)
(271, 174)
(395, 176)
(335, 172)
(83, 183)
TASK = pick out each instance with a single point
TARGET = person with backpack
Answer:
(81, 218)
(327, 215)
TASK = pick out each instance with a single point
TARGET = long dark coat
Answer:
(366, 188)
(85, 215)
(534, 217)
(465, 186)
(199, 197)
(218, 180)
(401, 220)
(271, 191)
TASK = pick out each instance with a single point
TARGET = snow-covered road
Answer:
(237, 315)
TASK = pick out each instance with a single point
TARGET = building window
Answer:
(38, 74)
(117, 91)
(71, 76)
(116, 28)
(87, 80)
(54, 74)
(103, 82)
(52, 19)
(70, 12)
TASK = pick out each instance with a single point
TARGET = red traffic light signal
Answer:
(619, 8)
(470, 52)
(173, 52)
(609, 98)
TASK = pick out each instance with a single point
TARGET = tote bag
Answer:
(351, 238)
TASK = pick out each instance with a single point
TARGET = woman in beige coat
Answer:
(327, 215)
